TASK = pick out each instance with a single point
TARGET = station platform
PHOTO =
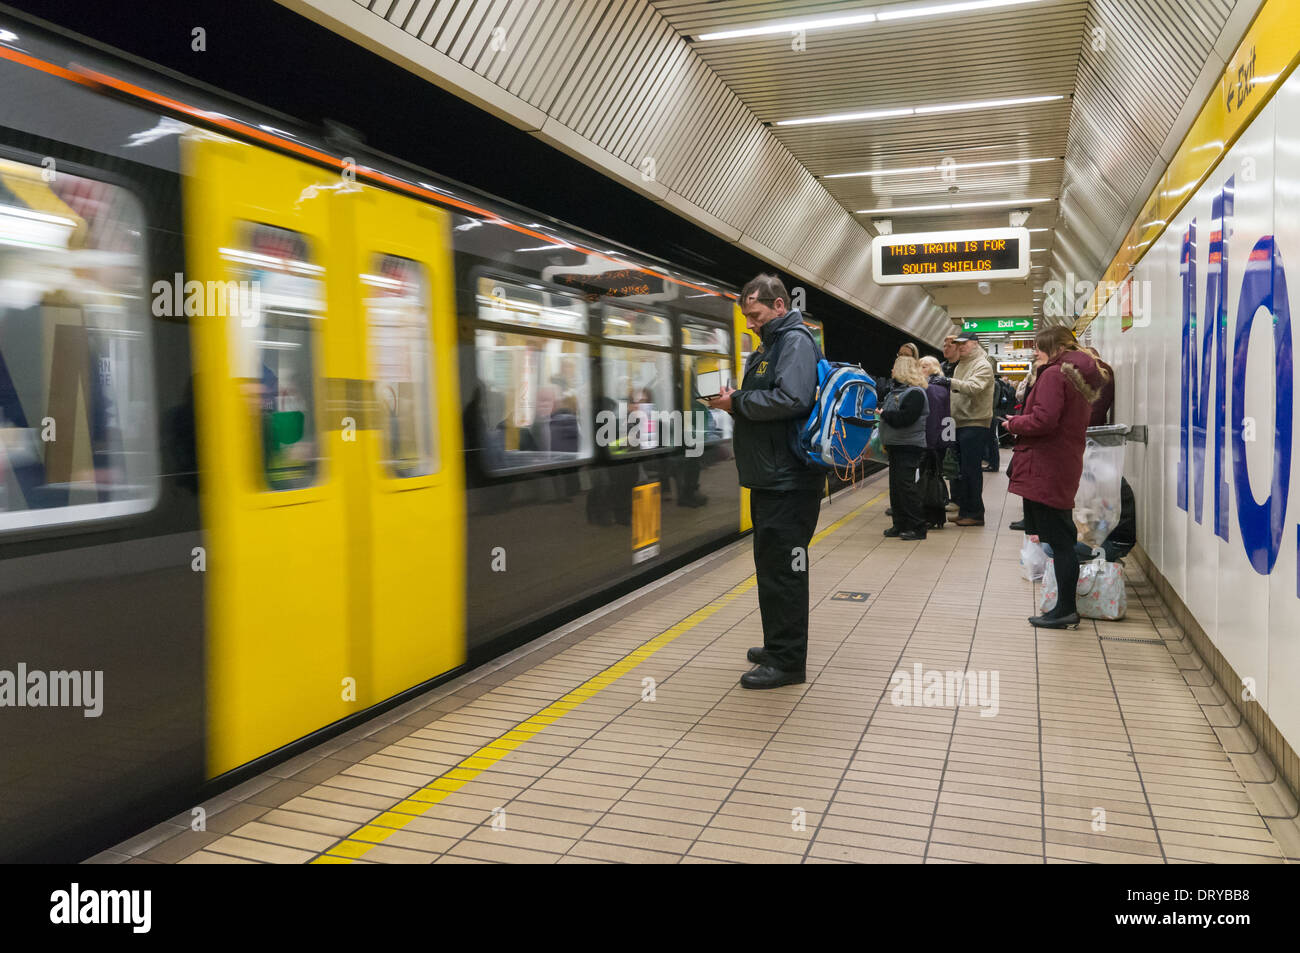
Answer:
(625, 736)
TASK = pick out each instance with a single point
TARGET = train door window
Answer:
(638, 381)
(706, 365)
(536, 396)
(397, 312)
(281, 299)
(77, 406)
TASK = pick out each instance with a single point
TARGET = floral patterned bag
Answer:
(1100, 593)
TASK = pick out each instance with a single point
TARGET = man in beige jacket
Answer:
(972, 413)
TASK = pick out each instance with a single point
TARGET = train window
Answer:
(701, 337)
(511, 303)
(638, 382)
(77, 406)
(536, 400)
(638, 388)
(397, 309)
(275, 338)
(706, 365)
(637, 327)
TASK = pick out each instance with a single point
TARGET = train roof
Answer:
(45, 46)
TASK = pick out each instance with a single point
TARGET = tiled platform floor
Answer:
(1100, 750)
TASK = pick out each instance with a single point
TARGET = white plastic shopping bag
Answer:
(1032, 559)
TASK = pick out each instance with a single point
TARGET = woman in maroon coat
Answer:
(1050, 438)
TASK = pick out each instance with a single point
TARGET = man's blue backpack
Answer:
(842, 420)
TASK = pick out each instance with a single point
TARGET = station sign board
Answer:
(983, 254)
(1014, 367)
(996, 325)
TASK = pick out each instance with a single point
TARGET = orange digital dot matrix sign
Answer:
(969, 255)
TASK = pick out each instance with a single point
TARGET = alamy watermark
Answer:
(57, 689)
(1070, 298)
(649, 429)
(935, 689)
(214, 299)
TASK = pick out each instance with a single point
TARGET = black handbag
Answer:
(934, 495)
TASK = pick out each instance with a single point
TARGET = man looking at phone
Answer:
(777, 391)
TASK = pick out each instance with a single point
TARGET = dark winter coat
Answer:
(1050, 434)
(939, 393)
(777, 392)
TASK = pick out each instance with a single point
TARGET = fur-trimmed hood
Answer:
(1082, 372)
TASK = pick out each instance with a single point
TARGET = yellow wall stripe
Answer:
(1265, 57)
(417, 804)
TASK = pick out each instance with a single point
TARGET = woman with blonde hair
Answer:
(903, 417)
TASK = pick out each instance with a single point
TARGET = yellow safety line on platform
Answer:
(397, 817)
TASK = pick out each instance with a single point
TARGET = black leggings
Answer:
(1056, 528)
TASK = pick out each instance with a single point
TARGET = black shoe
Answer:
(757, 655)
(911, 535)
(889, 511)
(935, 526)
(1070, 621)
(891, 532)
(1018, 524)
(991, 469)
(693, 501)
(765, 676)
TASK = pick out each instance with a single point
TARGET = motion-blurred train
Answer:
(289, 430)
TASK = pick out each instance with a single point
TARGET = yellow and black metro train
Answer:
(287, 431)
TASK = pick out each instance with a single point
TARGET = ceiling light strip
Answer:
(940, 168)
(950, 206)
(888, 15)
(906, 111)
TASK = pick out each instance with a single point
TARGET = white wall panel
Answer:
(1283, 703)
(1243, 596)
(1250, 613)
(1202, 557)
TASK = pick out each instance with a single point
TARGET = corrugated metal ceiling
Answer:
(626, 85)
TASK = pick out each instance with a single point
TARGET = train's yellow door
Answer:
(272, 490)
(331, 488)
(407, 504)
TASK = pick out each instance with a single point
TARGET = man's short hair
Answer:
(765, 288)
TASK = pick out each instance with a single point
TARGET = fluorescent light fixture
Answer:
(917, 110)
(950, 206)
(1037, 249)
(856, 19)
(938, 168)
(985, 104)
(1040, 229)
(791, 26)
(6, 36)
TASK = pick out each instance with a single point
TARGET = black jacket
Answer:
(775, 396)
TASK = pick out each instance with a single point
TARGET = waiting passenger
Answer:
(1050, 438)
(972, 411)
(939, 418)
(903, 418)
(778, 388)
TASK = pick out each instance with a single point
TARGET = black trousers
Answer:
(972, 443)
(994, 456)
(934, 462)
(1056, 528)
(905, 487)
(784, 523)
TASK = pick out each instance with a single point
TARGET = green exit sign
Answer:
(994, 325)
